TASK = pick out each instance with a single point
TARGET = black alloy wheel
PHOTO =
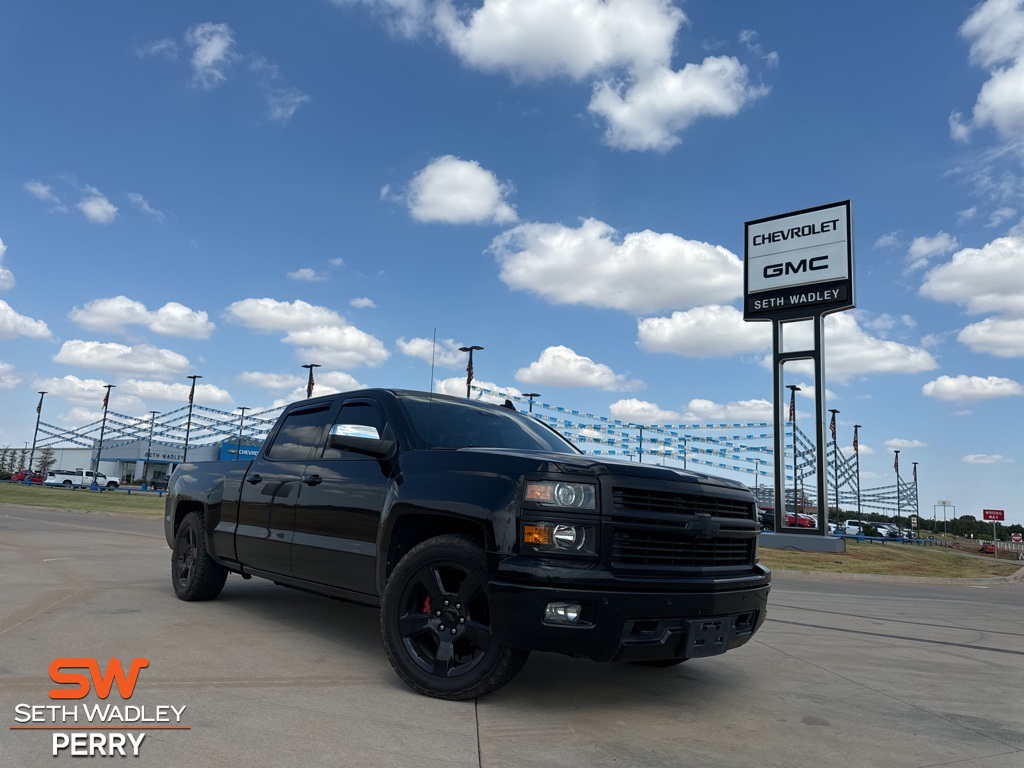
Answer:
(195, 575)
(436, 622)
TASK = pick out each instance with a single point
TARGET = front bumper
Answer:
(629, 625)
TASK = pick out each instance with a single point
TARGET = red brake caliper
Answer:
(426, 605)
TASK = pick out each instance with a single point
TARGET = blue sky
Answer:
(235, 190)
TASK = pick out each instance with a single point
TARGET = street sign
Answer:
(1016, 538)
(993, 514)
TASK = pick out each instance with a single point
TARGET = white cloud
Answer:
(172, 319)
(850, 352)
(271, 381)
(700, 411)
(174, 392)
(899, 443)
(445, 353)
(649, 112)
(13, 325)
(624, 47)
(987, 279)
(643, 272)
(166, 47)
(319, 334)
(338, 346)
(711, 331)
(540, 39)
(96, 207)
(45, 193)
(889, 240)
(456, 386)
(967, 214)
(323, 384)
(970, 388)
(1000, 215)
(562, 367)
(6, 276)
(212, 53)
(78, 390)
(306, 275)
(456, 191)
(996, 31)
(143, 205)
(406, 18)
(997, 336)
(925, 248)
(273, 315)
(283, 101)
(8, 378)
(141, 359)
(986, 458)
(363, 303)
(641, 412)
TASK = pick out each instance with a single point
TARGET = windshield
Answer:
(442, 423)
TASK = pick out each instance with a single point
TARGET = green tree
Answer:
(46, 459)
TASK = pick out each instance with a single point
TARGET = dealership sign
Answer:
(799, 264)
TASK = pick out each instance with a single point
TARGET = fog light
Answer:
(562, 613)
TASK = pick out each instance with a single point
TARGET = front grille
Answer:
(647, 500)
(632, 547)
(649, 530)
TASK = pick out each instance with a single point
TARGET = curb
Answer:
(828, 576)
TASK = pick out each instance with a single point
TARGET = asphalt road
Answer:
(844, 673)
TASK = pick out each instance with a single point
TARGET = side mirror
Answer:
(360, 438)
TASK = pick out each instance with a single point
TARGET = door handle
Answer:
(257, 478)
(312, 479)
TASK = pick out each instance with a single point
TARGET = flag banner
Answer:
(832, 426)
(106, 400)
(856, 448)
(792, 406)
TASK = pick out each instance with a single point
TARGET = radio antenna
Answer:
(433, 347)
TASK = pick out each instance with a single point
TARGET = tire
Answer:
(68, 483)
(195, 575)
(436, 622)
(112, 486)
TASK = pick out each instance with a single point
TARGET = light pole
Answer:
(241, 421)
(757, 475)
(309, 384)
(188, 424)
(835, 462)
(531, 395)
(149, 447)
(469, 367)
(32, 456)
(103, 426)
(917, 496)
(793, 389)
(856, 453)
(896, 466)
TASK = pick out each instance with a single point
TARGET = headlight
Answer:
(567, 538)
(555, 493)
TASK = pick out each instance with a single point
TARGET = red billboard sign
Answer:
(992, 514)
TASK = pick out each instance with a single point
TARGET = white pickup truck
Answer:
(74, 477)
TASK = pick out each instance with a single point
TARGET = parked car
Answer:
(19, 477)
(73, 477)
(801, 520)
(767, 519)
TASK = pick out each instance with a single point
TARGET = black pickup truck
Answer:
(481, 533)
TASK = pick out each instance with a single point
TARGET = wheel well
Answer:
(183, 508)
(410, 530)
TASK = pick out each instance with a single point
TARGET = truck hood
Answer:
(592, 465)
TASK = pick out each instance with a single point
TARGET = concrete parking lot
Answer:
(845, 673)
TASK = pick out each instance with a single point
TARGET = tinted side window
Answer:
(298, 434)
(364, 413)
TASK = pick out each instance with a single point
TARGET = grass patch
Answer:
(891, 559)
(136, 504)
